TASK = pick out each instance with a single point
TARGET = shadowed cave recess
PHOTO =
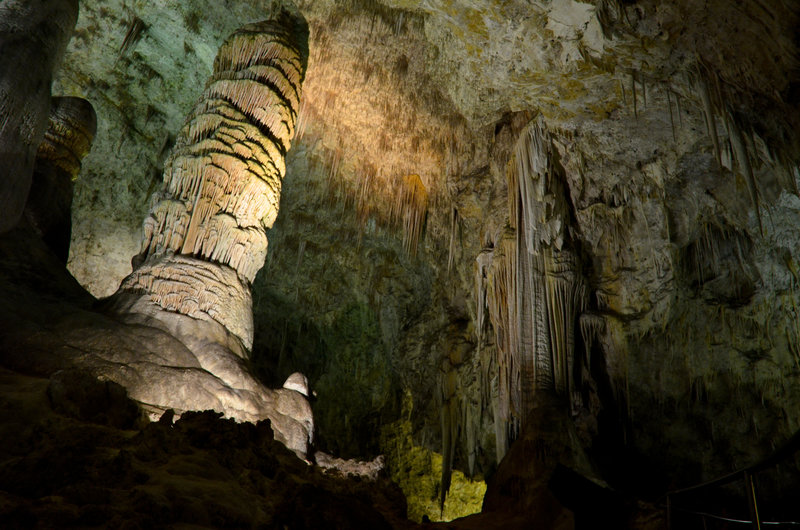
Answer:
(394, 263)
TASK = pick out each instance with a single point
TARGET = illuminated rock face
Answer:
(291, 402)
(204, 239)
(33, 36)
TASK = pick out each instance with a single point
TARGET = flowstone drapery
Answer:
(534, 291)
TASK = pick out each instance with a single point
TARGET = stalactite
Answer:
(483, 264)
(222, 183)
(454, 228)
(671, 119)
(717, 101)
(535, 291)
(711, 124)
(132, 36)
(471, 420)
(592, 327)
(453, 413)
(745, 165)
(644, 90)
(501, 302)
(409, 210)
(449, 435)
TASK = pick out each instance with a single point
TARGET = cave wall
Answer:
(673, 125)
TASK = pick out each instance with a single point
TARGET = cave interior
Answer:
(400, 263)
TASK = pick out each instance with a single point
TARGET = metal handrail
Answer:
(732, 520)
(789, 448)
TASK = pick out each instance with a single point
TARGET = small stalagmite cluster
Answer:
(204, 240)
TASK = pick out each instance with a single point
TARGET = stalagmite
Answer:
(205, 237)
(69, 136)
(204, 240)
(181, 323)
(33, 36)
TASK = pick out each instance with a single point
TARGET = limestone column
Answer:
(70, 132)
(204, 238)
(33, 37)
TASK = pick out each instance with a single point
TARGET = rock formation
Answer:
(189, 304)
(69, 136)
(291, 401)
(534, 289)
(33, 37)
(646, 273)
(204, 239)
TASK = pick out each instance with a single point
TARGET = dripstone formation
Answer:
(204, 239)
(523, 243)
(177, 333)
(69, 136)
(33, 36)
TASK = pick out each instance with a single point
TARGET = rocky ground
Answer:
(76, 452)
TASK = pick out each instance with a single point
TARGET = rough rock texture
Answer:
(67, 140)
(72, 457)
(49, 323)
(671, 128)
(204, 239)
(33, 36)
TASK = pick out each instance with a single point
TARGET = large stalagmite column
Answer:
(33, 36)
(204, 239)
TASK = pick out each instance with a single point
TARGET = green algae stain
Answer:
(417, 471)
